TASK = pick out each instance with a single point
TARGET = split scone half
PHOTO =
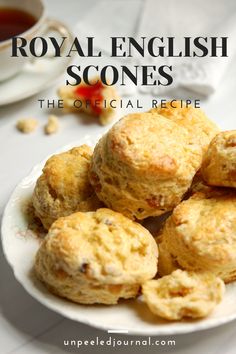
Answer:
(97, 100)
(96, 257)
(144, 165)
(64, 188)
(200, 235)
(183, 294)
(219, 163)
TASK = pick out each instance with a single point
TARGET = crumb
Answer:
(27, 126)
(34, 226)
(52, 125)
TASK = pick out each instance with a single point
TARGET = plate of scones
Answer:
(134, 231)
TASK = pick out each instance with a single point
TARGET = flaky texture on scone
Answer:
(143, 166)
(219, 163)
(64, 187)
(94, 100)
(200, 235)
(96, 257)
(183, 294)
(200, 128)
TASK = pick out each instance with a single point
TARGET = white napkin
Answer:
(166, 18)
(110, 18)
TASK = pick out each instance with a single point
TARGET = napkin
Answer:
(166, 18)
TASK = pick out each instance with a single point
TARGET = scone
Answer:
(200, 128)
(183, 294)
(200, 235)
(64, 187)
(94, 100)
(144, 165)
(219, 164)
(96, 257)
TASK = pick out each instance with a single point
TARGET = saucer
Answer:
(35, 77)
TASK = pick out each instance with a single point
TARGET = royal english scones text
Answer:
(122, 47)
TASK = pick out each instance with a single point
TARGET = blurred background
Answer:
(25, 325)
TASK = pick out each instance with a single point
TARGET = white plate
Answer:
(34, 77)
(20, 246)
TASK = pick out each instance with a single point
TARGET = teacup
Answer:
(9, 66)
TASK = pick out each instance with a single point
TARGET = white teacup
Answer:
(9, 66)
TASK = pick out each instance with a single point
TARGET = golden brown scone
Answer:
(64, 187)
(219, 163)
(143, 166)
(200, 235)
(97, 95)
(96, 257)
(201, 129)
(183, 294)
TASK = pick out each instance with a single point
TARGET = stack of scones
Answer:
(168, 160)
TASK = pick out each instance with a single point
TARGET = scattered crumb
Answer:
(34, 226)
(52, 125)
(27, 126)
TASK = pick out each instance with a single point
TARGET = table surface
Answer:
(25, 325)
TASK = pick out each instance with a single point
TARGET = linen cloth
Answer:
(167, 18)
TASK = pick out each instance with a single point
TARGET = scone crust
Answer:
(183, 294)
(64, 187)
(200, 128)
(200, 235)
(219, 164)
(143, 166)
(96, 257)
